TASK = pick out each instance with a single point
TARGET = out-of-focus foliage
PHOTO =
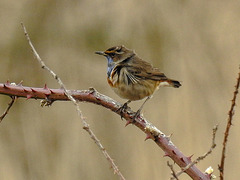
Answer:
(196, 42)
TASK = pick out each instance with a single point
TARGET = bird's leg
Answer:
(139, 110)
(123, 108)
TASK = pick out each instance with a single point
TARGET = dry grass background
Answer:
(196, 42)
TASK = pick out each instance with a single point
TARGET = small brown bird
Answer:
(131, 77)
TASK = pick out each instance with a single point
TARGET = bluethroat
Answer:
(132, 78)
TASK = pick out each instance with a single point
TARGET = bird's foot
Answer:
(122, 109)
(136, 115)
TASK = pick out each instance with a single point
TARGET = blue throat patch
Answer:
(111, 65)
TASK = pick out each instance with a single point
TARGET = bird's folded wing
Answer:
(146, 72)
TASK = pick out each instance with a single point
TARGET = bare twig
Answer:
(8, 108)
(200, 157)
(67, 93)
(229, 123)
(173, 171)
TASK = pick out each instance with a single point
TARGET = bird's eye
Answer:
(112, 54)
(119, 50)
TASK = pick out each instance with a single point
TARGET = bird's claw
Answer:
(122, 109)
(46, 102)
(136, 115)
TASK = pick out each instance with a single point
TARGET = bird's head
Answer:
(117, 53)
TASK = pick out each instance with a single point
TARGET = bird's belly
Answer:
(136, 91)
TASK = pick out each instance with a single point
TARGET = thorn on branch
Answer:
(169, 137)
(190, 158)
(52, 92)
(6, 84)
(25, 90)
(45, 87)
(182, 159)
(148, 137)
(127, 123)
(29, 96)
(166, 155)
(173, 152)
(33, 90)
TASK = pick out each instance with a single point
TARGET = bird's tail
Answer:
(174, 83)
(171, 83)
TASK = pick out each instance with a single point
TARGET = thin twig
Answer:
(85, 124)
(173, 171)
(229, 123)
(200, 157)
(8, 108)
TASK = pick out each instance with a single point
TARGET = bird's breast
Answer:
(131, 91)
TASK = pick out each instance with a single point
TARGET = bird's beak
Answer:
(100, 53)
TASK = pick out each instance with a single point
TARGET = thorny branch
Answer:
(93, 96)
(85, 124)
(229, 123)
(8, 108)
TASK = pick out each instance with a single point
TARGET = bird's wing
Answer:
(144, 70)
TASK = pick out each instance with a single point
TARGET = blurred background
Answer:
(196, 42)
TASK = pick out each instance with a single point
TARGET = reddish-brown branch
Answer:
(93, 96)
(229, 124)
